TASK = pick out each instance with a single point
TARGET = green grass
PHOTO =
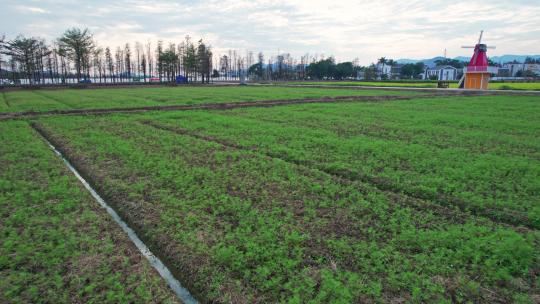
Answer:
(57, 245)
(422, 84)
(46, 100)
(535, 86)
(481, 153)
(415, 84)
(419, 201)
(331, 202)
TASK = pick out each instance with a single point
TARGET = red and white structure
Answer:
(477, 73)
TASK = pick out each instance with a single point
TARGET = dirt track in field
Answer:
(210, 106)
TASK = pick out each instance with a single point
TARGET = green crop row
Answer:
(251, 227)
(57, 244)
(481, 154)
(46, 100)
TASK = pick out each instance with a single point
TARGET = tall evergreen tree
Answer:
(78, 45)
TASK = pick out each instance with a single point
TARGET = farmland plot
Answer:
(57, 245)
(345, 203)
(480, 154)
(47, 100)
(534, 86)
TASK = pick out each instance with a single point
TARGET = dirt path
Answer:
(440, 91)
(211, 106)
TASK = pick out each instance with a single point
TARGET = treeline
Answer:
(284, 67)
(76, 57)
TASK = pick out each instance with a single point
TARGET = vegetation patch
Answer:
(249, 224)
(47, 100)
(58, 245)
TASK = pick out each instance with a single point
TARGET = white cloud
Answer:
(31, 9)
(346, 28)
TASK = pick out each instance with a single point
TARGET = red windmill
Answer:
(476, 74)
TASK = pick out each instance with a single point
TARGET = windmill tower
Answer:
(476, 74)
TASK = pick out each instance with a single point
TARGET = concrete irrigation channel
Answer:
(181, 292)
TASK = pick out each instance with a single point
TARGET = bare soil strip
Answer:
(442, 204)
(213, 106)
(183, 294)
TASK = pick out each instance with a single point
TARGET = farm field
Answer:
(57, 245)
(47, 100)
(424, 200)
(535, 86)
(414, 84)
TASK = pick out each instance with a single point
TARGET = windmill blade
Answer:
(480, 38)
(467, 47)
(491, 47)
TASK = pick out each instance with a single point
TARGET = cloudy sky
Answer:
(342, 28)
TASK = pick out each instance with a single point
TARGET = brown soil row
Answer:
(442, 204)
(210, 106)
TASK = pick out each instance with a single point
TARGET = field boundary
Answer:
(444, 202)
(450, 91)
(210, 106)
(159, 261)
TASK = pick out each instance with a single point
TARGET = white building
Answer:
(384, 69)
(514, 68)
(445, 73)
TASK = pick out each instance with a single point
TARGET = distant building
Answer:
(504, 72)
(444, 73)
(515, 68)
(384, 69)
(395, 70)
(533, 67)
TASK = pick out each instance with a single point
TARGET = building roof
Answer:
(441, 67)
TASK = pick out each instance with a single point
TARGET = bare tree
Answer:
(2, 38)
(119, 58)
(159, 51)
(127, 54)
(109, 62)
(150, 60)
(138, 50)
(28, 54)
(97, 63)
